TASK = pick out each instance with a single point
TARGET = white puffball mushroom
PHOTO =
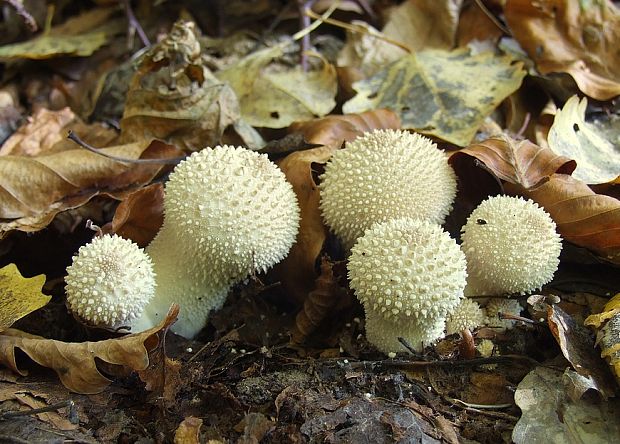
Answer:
(110, 282)
(511, 246)
(467, 315)
(501, 305)
(408, 274)
(383, 175)
(228, 212)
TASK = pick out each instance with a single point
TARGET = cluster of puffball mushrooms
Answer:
(230, 212)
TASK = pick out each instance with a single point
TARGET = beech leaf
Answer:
(76, 363)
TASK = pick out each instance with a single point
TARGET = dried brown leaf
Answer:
(75, 363)
(34, 189)
(188, 431)
(335, 130)
(517, 162)
(578, 38)
(140, 215)
(319, 303)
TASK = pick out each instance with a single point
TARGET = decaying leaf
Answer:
(570, 135)
(548, 415)
(416, 25)
(577, 346)
(34, 189)
(188, 431)
(140, 215)
(175, 98)
(297, 272)
(273, 98)
(440, 93)
(79, 36)
(19, 296)
(576, 37)
(607, 325)
(334, 130)
(517, 162)
(318, 304)
(75, 363)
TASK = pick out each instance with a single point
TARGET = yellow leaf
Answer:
(19, 296)
(611, 308)
(446, 94)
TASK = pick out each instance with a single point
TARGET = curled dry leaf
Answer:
(175, 98)
(76, 363)
(319, 303)
(518, 162)
(578, 38)
(34, 189)
(577, 347)
(140, 215)
(297, 272)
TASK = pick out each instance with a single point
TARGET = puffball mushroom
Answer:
(408, 274)
(511, 246)
(110, 282)
(501, 305)
(383, 175)
(467, 315)
(228, 212)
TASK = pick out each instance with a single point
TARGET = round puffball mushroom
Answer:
(467, 315)
(228, 212)
(511, 247)
(383, 175)
(110, 282)
(408, 274)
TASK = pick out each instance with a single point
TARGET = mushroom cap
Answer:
(511, 247)
(384, 333)
(467, 315)
(110, 281)
(235, 207)
(501, 305)
(408, 269)
(383, 175)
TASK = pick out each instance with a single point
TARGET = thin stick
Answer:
(135, 24)
(25, 15)
(492, 17)
(75, 138)
(50, 408)
(359, 29)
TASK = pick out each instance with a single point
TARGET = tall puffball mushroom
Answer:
(383, 175)
(228, 212)
(110, 282)
(511, 246)
(408, 274)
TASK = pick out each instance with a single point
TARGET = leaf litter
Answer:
(286, 359)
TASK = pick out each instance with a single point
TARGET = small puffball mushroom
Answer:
(383, 175)
(110, 282)
(228, 213)
(511, 247)
(501, 305)
(467, 315)
(408, 274)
